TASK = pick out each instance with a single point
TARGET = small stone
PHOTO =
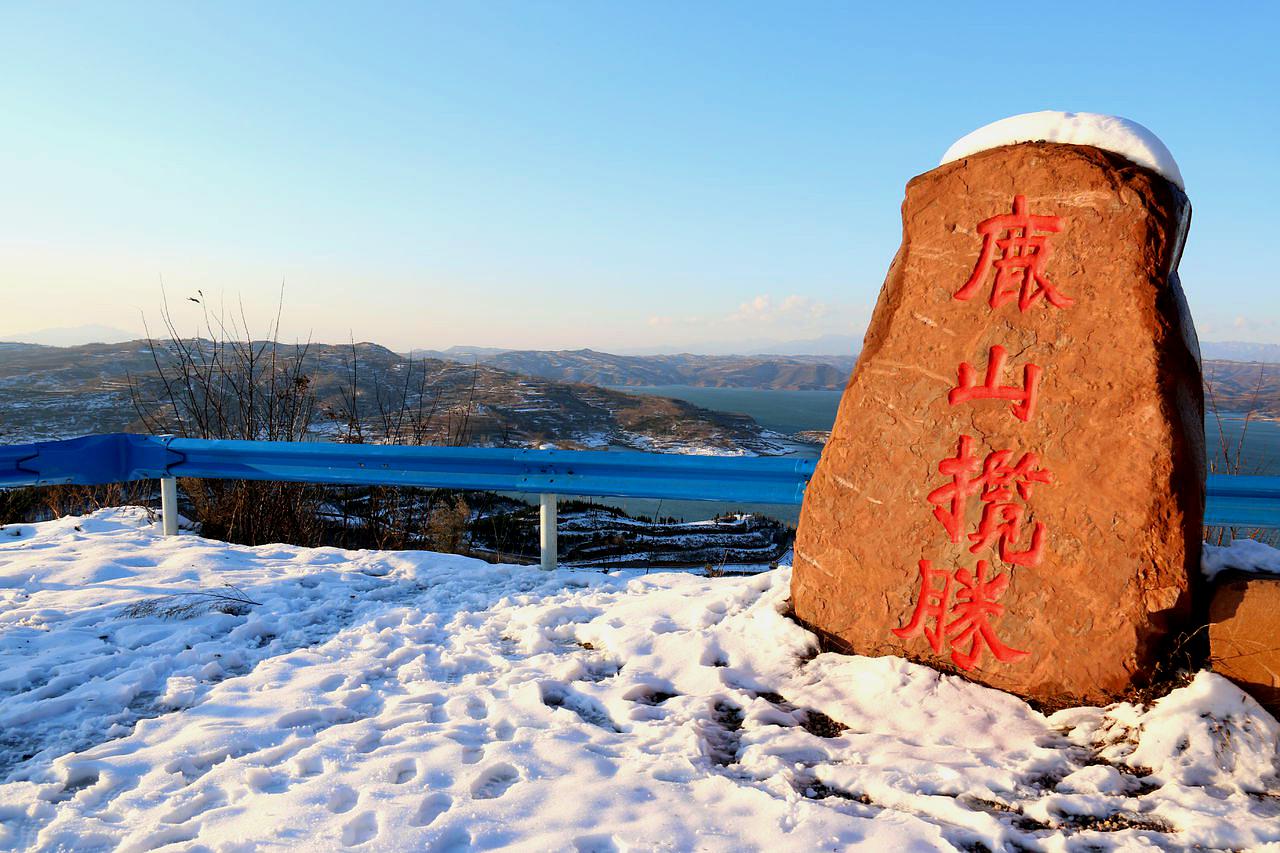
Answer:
(1244, 635)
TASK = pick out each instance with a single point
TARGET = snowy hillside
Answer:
(419, 701)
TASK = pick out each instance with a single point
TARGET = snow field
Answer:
(380, 700)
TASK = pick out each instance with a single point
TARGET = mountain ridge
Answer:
(594, 367)
(56, 392)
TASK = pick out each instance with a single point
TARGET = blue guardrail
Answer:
(116, 458)
(1234, 501)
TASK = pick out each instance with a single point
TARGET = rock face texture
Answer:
(1244, 635)
(1014, 486)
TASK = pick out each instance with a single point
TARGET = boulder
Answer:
(1244, 634)
(1014, 486)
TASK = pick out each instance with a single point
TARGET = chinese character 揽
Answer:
(1020, 268)
(994, 480)
(961, 610)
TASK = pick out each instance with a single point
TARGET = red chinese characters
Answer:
(1020, 268)
(960, 615)
(1024, 398)
(994, 481)
(958, 609)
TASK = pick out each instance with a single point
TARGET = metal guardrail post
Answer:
(548, 518)
(169, 505)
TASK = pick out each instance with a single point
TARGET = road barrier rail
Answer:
(1233, 501)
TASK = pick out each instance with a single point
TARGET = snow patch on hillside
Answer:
(380, 700)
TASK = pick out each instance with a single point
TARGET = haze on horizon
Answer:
(565, 176)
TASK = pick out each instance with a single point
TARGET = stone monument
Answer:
(1014, 486)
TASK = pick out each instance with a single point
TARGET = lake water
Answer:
(784, 411)
(793, 411)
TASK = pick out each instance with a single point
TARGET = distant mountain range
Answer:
(776, 372)
(1240, 351)
(833, 349)
(53, 392)
(510, 397)
(1242, 377)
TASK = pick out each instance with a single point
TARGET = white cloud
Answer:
(764, 310)
(762, 318)
(1254, 329)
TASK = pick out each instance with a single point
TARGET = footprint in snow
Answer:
(168, 835)
(477, 708)
(453, 840)
(494, 781)
(78, 778)
(274, 756)
(431, 808)
(305, 718)
(332, 682)
(595, 844)
(308, 763)
(369, 742)
(342, 799)
(198, 804)
(403, 770)
(265, 781)
(361, 828)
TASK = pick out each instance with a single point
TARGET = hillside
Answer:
(502, 398)
(50, 392)
(1233, 381)
(1238, 387)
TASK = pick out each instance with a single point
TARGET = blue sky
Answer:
(621, 176)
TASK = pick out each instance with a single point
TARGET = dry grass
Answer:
(183, 605)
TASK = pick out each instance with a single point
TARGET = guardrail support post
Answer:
(548, 517)
(169, 505)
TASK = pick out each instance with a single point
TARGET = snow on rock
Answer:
(408, 700)
(1110, 133)
(1246, 555)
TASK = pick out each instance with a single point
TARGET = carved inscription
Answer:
(957, 609)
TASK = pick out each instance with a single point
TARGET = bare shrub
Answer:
(1229, 458)
(19, 505)
(447, 526)
(59, 501)
(183, 605)
(222, 384)
(401, 409)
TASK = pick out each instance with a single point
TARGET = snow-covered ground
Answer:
(416, 701)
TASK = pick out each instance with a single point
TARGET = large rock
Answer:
(1014, 486)
(1244, 634)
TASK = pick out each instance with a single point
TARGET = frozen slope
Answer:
(416, 701)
